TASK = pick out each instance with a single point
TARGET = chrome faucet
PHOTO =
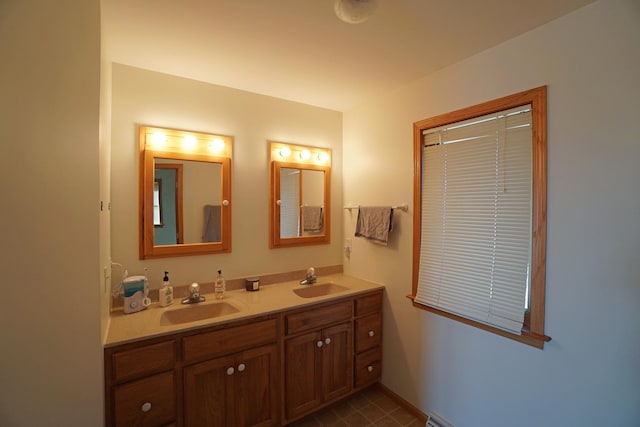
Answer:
(194, 295)
(311, 277)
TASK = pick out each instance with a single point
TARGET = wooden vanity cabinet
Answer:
(318, 357)
(235, 374)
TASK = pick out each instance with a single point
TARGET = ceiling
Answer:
(298, 50)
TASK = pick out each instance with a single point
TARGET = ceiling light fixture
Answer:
(354, 11)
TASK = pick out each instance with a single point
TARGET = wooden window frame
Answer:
(533, 327)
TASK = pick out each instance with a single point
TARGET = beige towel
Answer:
(312, 219)
(374, 223)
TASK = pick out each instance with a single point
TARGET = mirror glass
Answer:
(188, 197)
(186, 193)
(299, 195)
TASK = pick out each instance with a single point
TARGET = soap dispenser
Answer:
(166, 291)
(220, 286)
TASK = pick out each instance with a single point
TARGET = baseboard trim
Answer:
(403, 403)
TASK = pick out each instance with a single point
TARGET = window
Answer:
(480, 215)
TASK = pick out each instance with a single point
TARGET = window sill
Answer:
(527, 337)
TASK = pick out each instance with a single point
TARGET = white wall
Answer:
(51, 357)
(105, 187)
(589, 374)
(146, 97)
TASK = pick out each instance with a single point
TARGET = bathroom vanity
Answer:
(276, 358)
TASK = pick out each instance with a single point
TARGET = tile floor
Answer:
(371, 408)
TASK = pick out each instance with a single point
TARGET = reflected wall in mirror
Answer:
(299, 195)
(185, 193)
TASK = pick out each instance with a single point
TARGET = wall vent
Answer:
(435, 420)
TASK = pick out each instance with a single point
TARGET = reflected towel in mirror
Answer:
(374, 223)
(312, 219)
(211, 228)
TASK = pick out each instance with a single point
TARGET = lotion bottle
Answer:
(166, 291)
(220, 286)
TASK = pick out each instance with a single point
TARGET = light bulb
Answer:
(158, 139)
(284, 152)
(216, 145)
(189, 142)
(323, 157)
(305, 154)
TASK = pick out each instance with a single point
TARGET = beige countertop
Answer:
(273, 298)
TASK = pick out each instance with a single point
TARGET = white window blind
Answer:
(476, 218)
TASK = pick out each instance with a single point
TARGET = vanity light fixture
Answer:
(167, 140)
(302, 154)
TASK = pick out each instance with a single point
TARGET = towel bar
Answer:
(403, 208)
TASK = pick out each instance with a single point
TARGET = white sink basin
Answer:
(319, 290)
(194, 312)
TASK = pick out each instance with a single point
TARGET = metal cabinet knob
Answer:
(370, 368)
(319, 343)
(146, 407)
(230, 371)
(327, 341)
(371, 333)
(241, 367)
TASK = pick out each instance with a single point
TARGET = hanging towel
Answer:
(211, 229)
(374, 223)
(312, 220)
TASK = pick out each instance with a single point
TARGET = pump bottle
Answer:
(166, 291)
(220, 286)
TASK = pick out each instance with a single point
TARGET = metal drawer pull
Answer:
(230, 371)
(371, 333)
(241, 367)
(146, 407)
(370, 368)
(319, 343)
(327, 341)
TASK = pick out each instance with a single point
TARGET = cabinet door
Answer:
(302, 374)
(256, 383)
(337, 361)
(208, 393)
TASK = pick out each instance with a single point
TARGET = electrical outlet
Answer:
(106, 273)
(348, 247)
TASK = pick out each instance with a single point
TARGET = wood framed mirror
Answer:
(185, 193)
(299, 195)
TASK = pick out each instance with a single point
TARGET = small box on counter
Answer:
(252, 284)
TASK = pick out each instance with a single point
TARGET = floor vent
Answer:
(436, 420)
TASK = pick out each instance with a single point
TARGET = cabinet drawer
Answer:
(368, 367)
(368, 332)
(230, 340)
(369, 304)
(147, 402)
(137, 362)
(319, 317)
